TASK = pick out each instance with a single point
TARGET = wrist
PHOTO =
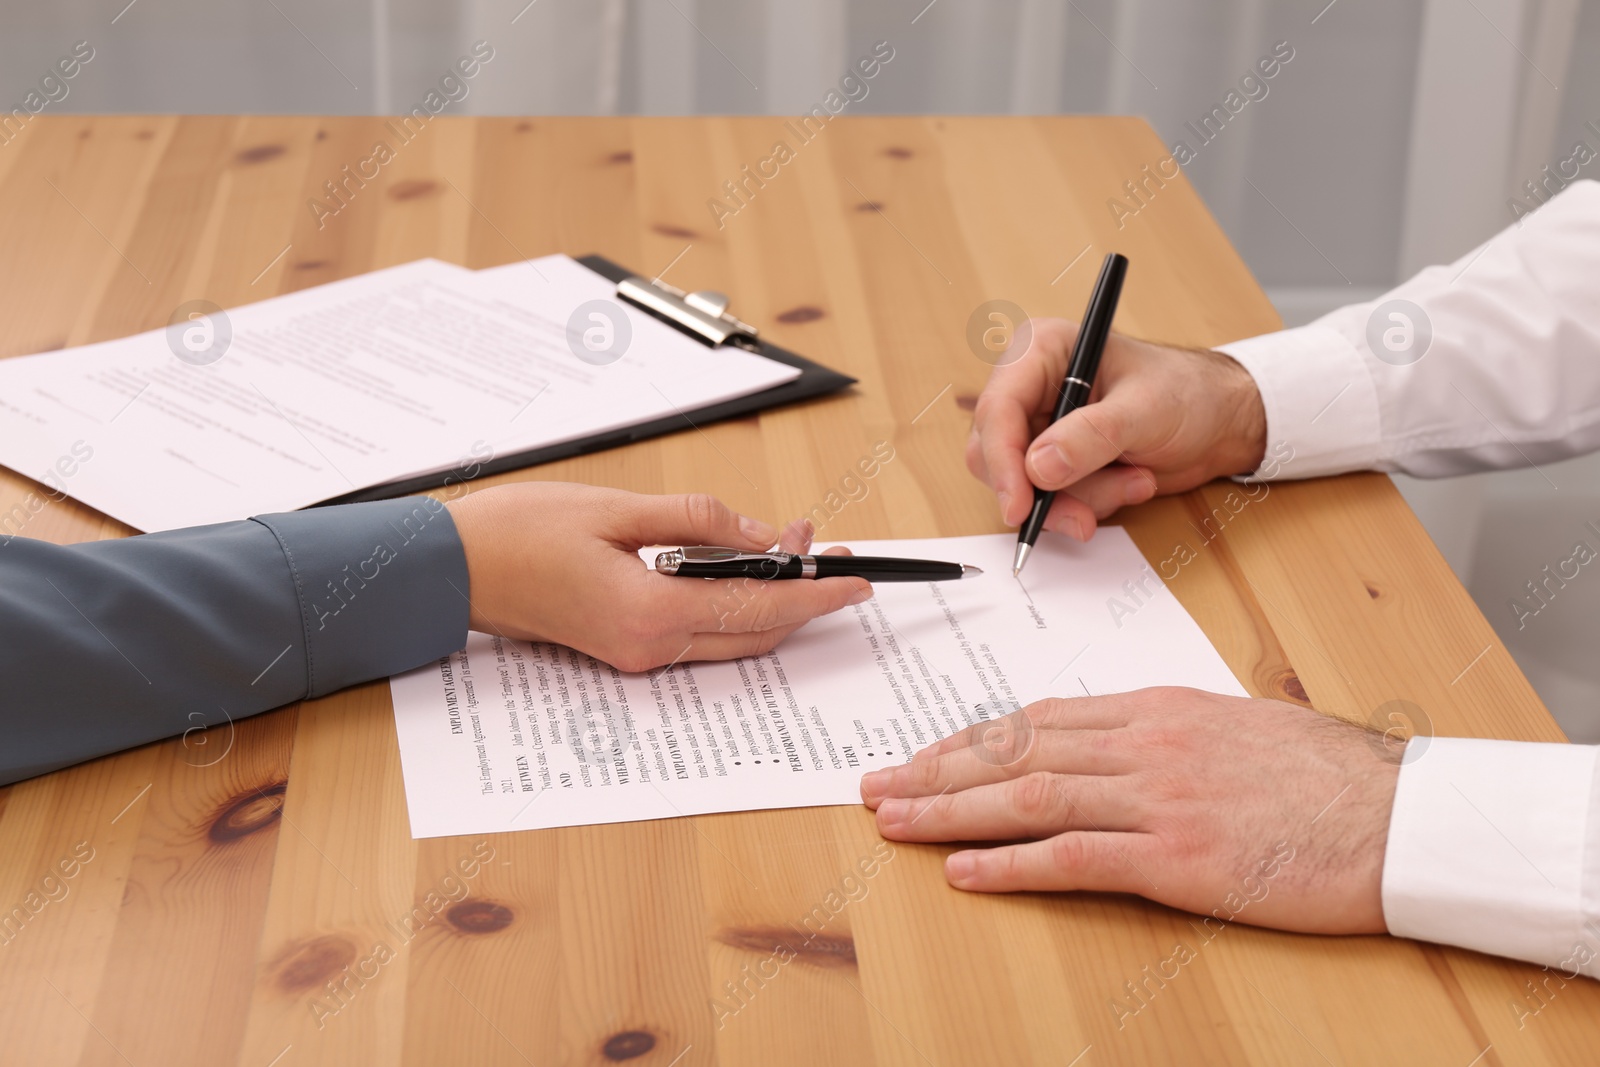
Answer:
(1243, 415)
(1375, 806)
(475, 517)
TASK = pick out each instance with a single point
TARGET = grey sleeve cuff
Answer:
(382, 587)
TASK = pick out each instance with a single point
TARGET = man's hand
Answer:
(551, 561)
(1160, 420)
(1254, 810)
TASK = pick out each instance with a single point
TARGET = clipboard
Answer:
(703, 316)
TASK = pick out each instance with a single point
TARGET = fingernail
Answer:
(875, 783)
(861, 595)
(960, 868)
(1005, 506)
(1050, 464)
(1137, 490)
(894, 810)
(1072, 526)
(756, 530)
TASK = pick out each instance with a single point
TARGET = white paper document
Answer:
(373, 379)
(506, 735)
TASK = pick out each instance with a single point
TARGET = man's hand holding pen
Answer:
(1159, 420)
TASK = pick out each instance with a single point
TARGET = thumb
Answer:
(691, 519)
(1089, 438)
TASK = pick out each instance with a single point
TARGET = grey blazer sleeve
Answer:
(111, 644)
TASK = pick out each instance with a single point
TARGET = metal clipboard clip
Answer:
(703, 314)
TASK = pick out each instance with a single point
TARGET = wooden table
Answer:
(224, 895)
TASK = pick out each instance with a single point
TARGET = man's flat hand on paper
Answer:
(1160, 420)
(1254, 810)
(551, 561)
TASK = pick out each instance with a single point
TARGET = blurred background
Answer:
(1398, 135)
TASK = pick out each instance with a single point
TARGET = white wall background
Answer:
(1394, 139)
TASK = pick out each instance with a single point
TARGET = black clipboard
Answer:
(703, 316)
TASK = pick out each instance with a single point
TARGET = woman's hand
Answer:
(552, 561)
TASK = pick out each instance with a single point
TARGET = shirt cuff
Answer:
(1321, 404)
(1491, 847)
(382, 587)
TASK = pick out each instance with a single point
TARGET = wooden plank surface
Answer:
(251, 893)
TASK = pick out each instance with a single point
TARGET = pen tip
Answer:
(969, 571)
(1023, 548)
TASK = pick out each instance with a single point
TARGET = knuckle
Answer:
(1051, 711)
(974, 454)
(762, 643)
(1034, 795)
(1109, 420)
(1067, 851)
(1150, 706)
(762, 613)
(1183, 842)
(1159, 741)
(924, 775)
(703, 512)
(1165, 789)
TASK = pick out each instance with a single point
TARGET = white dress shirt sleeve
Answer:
(1495, 846)
(1492, 361)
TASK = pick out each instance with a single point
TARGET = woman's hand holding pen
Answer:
(1160, 420)
(552, 561)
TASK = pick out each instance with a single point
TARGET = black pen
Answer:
(709, 561)
(1075, 388)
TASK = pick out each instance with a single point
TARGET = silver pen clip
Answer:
(668, 562)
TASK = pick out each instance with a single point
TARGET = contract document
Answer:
(507, 735)
(375, 379)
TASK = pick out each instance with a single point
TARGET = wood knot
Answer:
(479, 917)
(896, 152)
(259, 154)
(311, 264)
(83, 134)
(1372, 591)
(803, 313)
(1286, 684)
(967, 401)
(620, 157)
(869, 205)
(523, 127)
(311, 963)
(144, 135)
(322, 135)
(411, 188)
(668, 230)
(828, 950)
(785, 944)
(255, 810)
(628, 1045)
